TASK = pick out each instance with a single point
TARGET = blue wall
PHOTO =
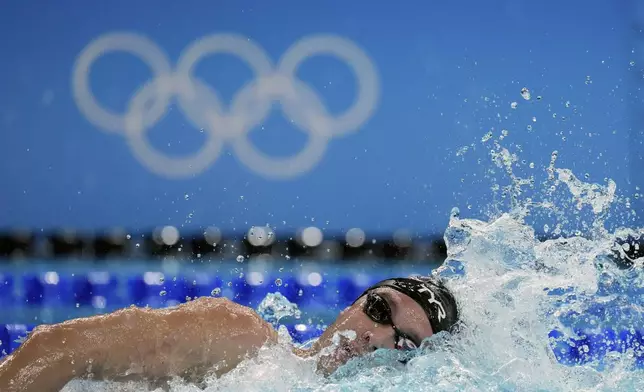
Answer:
(447, 72)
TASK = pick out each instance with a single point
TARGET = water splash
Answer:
(275, 307)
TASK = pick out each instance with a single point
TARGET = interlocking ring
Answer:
(312, 117)
(203, 108)
(126, 42)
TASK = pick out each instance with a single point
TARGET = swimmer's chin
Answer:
(330, 361)
(325, 364)
(329, 357)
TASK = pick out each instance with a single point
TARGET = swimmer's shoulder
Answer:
(216, 305)
(232, 314)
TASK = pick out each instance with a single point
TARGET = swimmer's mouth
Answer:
(345, 352)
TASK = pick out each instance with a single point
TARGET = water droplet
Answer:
(531, 165)
(300, 293)
(240, 259)
(529, 127)
(632, 63)
(534, 119)
(162, 279)
(486, 137)
(163, 293)
(137, 245)
(567, 104)
(186, 196)
(514, 105)
(128, 236)
(525, 93)
(278, 282)
(539, 98)
(287, 257)
(215, 292)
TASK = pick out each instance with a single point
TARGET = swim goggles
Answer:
(379, 311)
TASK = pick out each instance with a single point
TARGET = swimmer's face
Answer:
(363, 335)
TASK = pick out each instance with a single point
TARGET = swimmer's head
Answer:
(396, 313)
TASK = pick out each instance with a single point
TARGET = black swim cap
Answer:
(436, 300)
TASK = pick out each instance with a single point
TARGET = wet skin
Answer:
(192, 340)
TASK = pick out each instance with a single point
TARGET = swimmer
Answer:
(213, 335)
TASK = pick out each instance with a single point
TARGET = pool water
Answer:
(43, 292)
(532, 324)
(539, 317)
(553, 315)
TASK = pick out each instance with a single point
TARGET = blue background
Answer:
(448, 73)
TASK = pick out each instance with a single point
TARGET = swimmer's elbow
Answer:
(46, 361)
(55, 340)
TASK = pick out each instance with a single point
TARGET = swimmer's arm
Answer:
(137, 343)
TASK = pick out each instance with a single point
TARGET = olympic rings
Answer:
(251, 105)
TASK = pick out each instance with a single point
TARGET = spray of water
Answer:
(548, 295)
(527, 304)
